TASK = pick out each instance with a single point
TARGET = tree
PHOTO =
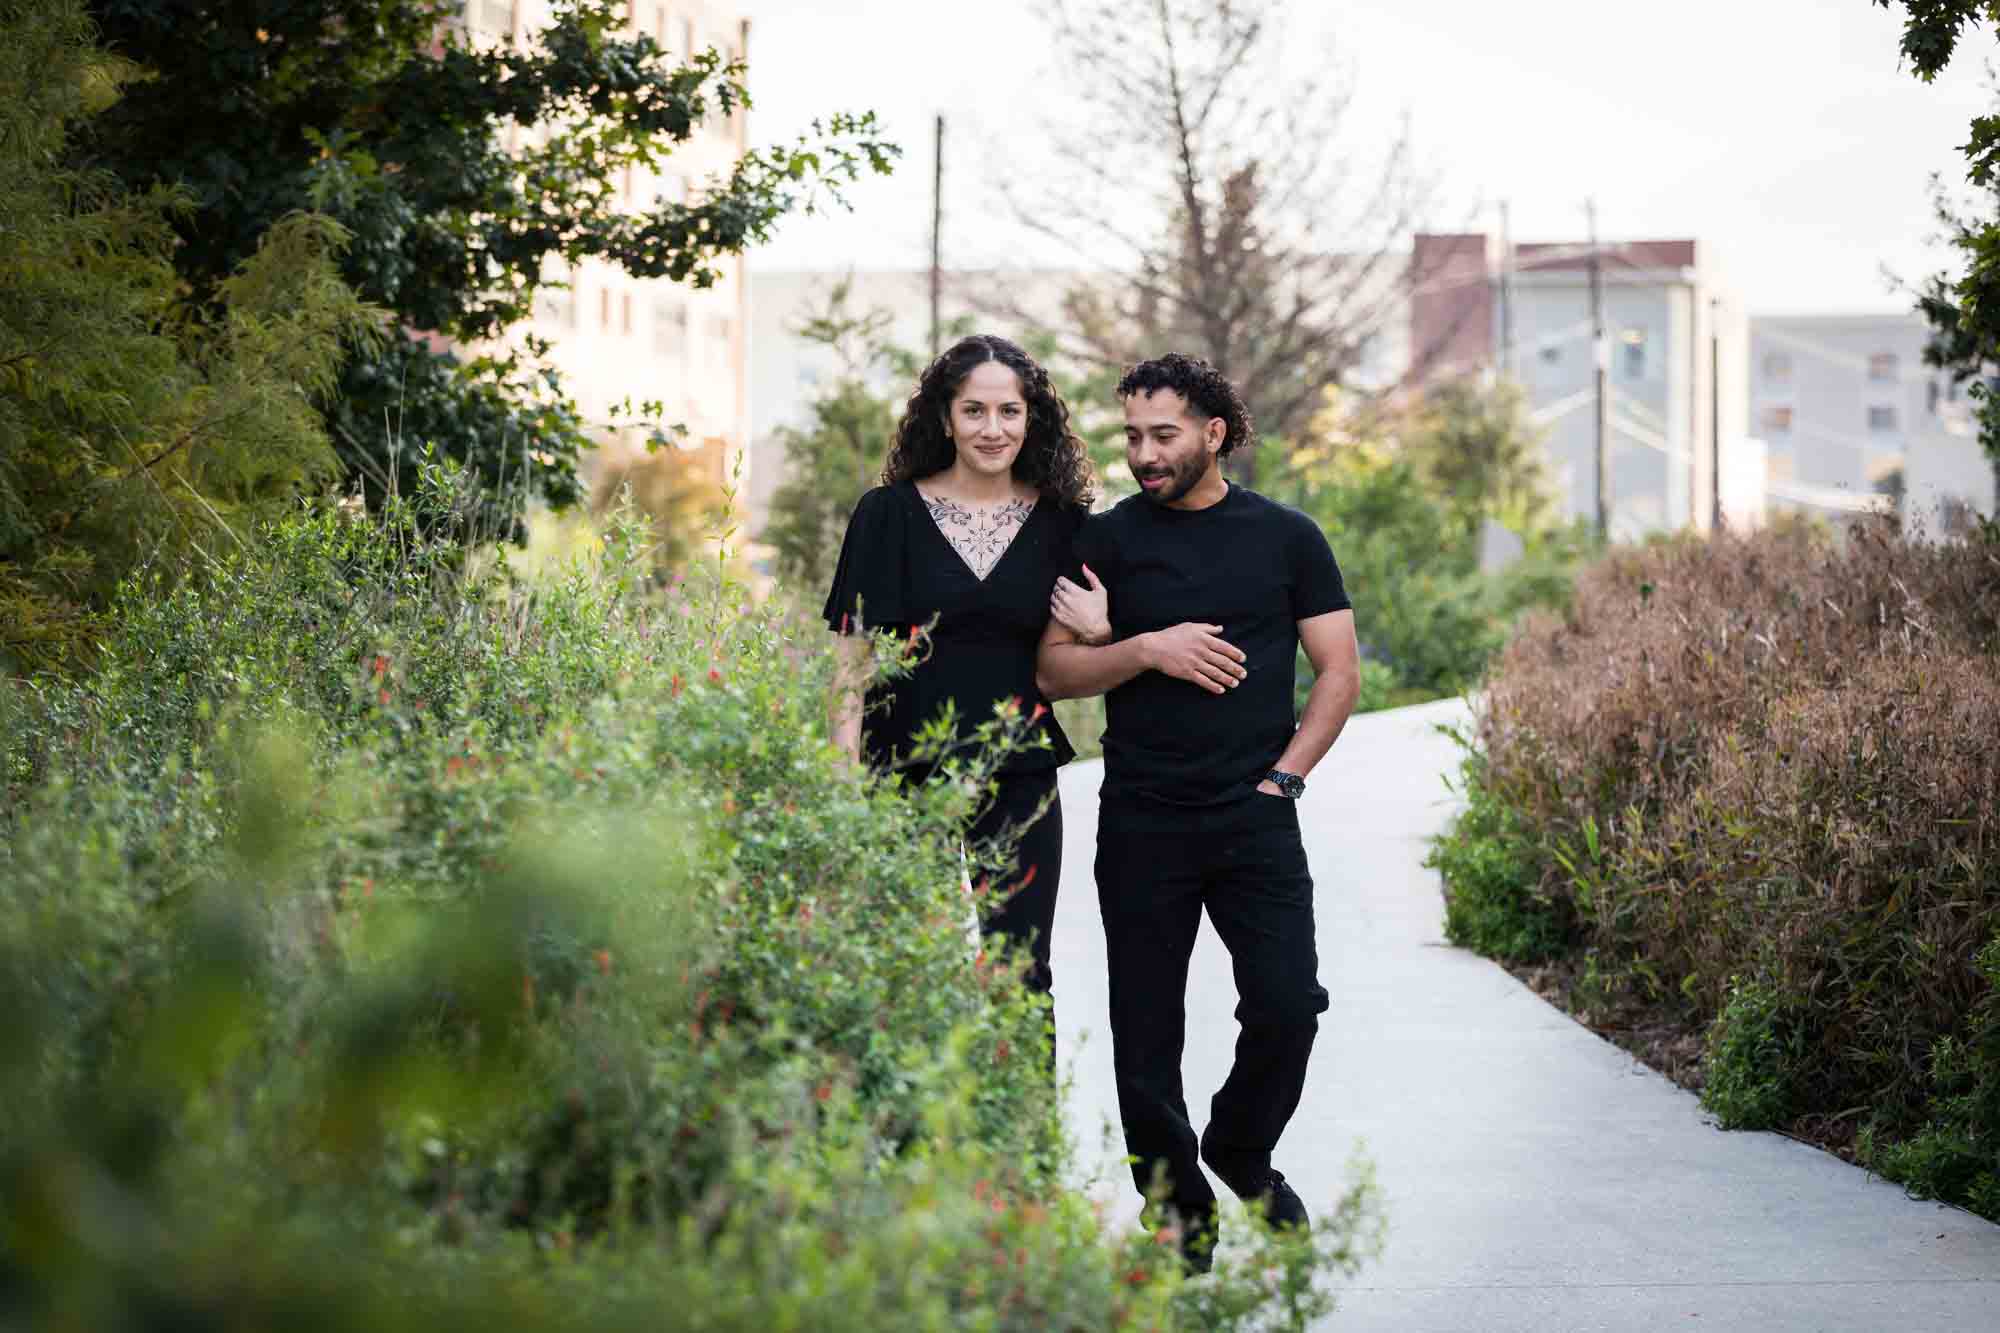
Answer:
(1474, 447)
(134, 423)
(378, 113)
(1964, 314)
(839, 454)
(1221, 200)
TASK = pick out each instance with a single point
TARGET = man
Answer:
(1213, 588)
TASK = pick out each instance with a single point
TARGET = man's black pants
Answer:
(1246, 867)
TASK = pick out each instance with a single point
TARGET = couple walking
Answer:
(1185, 606)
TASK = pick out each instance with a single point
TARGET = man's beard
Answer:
(1183, 479)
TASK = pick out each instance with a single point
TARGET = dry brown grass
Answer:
(1771, 758)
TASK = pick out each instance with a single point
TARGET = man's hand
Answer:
(1196, 653)
(1085, 613)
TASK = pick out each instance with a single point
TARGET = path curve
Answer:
(1535, 1177)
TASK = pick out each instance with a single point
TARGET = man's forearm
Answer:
(1327, 710)
(1076, 670)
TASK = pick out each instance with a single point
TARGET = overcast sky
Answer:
(1780, 132)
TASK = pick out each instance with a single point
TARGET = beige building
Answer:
(616, 338)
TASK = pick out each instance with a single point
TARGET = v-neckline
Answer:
(924, 503)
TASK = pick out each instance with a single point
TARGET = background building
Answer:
(1854, 419)
(616, 338)
(1676, 347)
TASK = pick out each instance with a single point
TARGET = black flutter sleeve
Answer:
(869, 583)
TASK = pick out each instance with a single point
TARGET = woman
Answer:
(985, 488)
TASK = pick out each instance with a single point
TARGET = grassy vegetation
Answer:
(391, 941)
(1741, 803)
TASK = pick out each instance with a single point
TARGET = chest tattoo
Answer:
(979, 535)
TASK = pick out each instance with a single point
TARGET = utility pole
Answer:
(937, 237)
(1600, 348)
(1506, 357)
(1715, 414)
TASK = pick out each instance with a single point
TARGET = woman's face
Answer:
(988, 419)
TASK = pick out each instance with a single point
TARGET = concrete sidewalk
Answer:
(1535, 1177)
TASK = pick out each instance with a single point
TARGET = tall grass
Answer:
(1752, 786)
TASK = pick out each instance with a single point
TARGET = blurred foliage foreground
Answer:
(389, 942)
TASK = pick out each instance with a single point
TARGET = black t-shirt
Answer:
(897, 570)
(1246, 563)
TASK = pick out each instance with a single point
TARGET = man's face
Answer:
(1169, 447)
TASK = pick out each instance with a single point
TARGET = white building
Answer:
(619, 339)
(1854, 419)
(1676, 349)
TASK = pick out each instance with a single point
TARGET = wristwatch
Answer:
(1290, 785)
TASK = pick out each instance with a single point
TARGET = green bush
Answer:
(1753, 1053)
(388, 938)
(1493, 902)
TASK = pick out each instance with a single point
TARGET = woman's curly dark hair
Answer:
(1207, 390)
(1052, 458)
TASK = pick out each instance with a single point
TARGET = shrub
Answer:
(386, 937)
(1770, 757)
(1753, 1051)
(1493, 903)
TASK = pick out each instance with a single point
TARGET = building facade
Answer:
(617, 339)
(1674, 345)
(1853, 420)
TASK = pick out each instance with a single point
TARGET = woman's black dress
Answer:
(896, 571)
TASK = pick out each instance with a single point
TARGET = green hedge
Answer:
(389, 942)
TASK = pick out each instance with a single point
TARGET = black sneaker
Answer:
(1282, 1205)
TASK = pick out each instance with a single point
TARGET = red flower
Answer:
(604, 961)
(1041, 711)
(714, 676)
(824, 1092)
(677, 685)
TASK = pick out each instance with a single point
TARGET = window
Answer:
(1881, 418)
(1932, 392)
(1882, 367)
(557, 307)
(604, 309)
(625, 313)
(1778, 420)
(669, 328)
(1552, 353)
(1777, 367)
(1632, 353)
(490, 18)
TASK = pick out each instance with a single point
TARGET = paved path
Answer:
(1535, 1177)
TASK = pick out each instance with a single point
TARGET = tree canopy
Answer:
(134, 422)
(470, 177)
(1964, 312)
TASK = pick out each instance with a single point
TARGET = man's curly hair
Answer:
(1052, 457)
(1207, 390)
